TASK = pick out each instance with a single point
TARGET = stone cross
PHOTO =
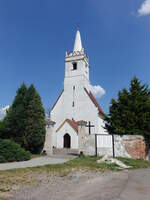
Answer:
(90, 126)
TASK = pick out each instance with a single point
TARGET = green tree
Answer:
(34, 121)
(130, 113)
(2, 128)
(15, 117)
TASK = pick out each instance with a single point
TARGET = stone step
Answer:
(65, 151)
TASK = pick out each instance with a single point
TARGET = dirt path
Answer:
(123, 185)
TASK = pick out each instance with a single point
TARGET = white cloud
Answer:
(3, 111)
(97, 91)
(145, 8)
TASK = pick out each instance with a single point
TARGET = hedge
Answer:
(11, 151)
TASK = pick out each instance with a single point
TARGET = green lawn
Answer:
(135, 164)
(81, 163)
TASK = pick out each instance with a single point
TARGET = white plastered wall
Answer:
(101, 125)
(66, 128)
(83, 108)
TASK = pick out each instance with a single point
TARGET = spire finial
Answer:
(77, 43)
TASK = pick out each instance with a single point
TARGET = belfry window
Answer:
(74, 66)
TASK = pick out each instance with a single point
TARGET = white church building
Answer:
(76, 101)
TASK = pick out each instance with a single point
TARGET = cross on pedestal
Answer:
(89, 126)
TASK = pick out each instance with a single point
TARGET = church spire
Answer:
(77, 43)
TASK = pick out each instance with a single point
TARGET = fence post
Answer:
(113, 145)
(96, 145)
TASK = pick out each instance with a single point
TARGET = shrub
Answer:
(2, 159)
(11, 151)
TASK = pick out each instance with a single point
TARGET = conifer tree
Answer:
(25, 120)
(34, 121)
(2, 128)
(14, 120)
(130, 113)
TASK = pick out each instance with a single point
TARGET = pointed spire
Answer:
(77, 43)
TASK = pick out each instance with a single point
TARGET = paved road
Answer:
(40, 161)
(125, 185)
(132, 185)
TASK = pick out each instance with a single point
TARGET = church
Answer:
(76, 101)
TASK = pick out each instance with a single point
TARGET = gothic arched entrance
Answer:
(67, 141)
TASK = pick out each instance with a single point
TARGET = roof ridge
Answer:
(57, 100)
(72, 123)
(93, 99)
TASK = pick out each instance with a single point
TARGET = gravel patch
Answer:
(86, 185)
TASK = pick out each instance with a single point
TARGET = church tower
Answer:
(76, 77)
(76, 65)
(76, 102)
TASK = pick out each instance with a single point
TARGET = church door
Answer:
(67, 141)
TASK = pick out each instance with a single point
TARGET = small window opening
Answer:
(73, 104)
(73, 87)
(75, 66)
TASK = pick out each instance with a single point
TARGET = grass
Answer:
(89, 163)
(135, 164)
(80, 163)
(16, 177)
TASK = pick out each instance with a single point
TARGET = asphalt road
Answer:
(124, 185)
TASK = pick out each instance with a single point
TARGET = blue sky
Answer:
(34, 35)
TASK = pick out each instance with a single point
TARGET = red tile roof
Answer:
(72, 123)
(94, 101)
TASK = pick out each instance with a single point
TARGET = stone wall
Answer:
(130, 146)
(86, 142)
(135, 146)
